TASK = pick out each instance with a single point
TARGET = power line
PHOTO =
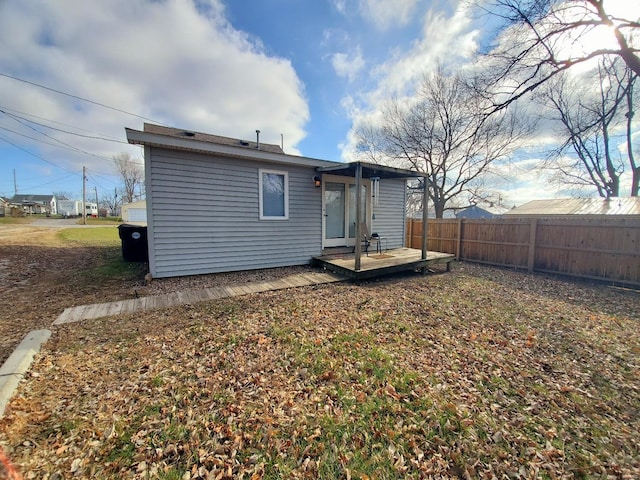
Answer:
(81, 98)
(95, 175)
(48, 183)
(38, 156)
(54, 121)
(18, 118)
(65, 145)
(30, 137)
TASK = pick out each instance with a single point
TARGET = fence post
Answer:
(459, 244)
(533, 226)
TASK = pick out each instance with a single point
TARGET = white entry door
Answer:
(339, 209)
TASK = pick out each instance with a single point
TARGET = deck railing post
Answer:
(358, 239)
(425, 216)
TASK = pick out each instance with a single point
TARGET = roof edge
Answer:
(137, 137)
(396, 172)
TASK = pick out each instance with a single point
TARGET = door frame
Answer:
(347, 181)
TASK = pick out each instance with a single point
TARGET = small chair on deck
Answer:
(368, 239)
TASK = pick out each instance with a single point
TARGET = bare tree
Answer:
(111, 202)
(446, 134)
(593, 122)
(635, 166)
(132, 174)
(63, 195)
(541, 38)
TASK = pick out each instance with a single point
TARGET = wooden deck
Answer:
(375, 265)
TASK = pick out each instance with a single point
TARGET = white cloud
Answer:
(177, 61)
(399, 75)
(451, 40)
(340, 6)
(385, 14)
(348, 66)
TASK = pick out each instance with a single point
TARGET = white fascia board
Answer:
(164, 141)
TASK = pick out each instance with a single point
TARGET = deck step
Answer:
(387, 263)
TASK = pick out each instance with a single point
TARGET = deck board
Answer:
(340, 267)
(99, 310)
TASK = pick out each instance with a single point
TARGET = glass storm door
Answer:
(334, 214)
(340, 213)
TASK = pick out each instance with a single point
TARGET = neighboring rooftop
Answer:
(206, 137)
(488, 210)
(29, 198)
(629, 206)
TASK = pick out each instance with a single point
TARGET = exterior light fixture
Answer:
(317, 181)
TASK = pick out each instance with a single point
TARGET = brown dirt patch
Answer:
(40, 276)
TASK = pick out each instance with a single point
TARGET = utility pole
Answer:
(15, 184)
(84, 195)
(95, 189)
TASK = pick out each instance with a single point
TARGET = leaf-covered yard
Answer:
(477, 373)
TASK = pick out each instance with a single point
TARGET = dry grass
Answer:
(44, 270)
(477, 373)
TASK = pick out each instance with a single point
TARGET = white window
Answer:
(273, 188)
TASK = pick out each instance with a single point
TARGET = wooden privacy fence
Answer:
(599, 249)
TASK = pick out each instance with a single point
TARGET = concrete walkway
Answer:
(17, 365)
(99, 310)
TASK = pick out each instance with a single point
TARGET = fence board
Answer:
(602, 249)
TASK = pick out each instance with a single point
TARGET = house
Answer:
(35, 203)
(134, 212)
(217, 204)
(617, 207)
(4, 207)
(486, 211)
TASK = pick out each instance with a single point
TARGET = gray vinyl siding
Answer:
(205, 212)
(390, 212)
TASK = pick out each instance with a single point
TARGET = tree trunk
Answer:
(635, 169)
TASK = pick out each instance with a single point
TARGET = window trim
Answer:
(262, 171)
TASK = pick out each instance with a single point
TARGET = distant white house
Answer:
(4, 206)
(35, 203)
(135, 212)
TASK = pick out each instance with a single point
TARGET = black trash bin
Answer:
(134, 242)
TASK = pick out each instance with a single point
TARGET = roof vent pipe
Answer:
(257, 138)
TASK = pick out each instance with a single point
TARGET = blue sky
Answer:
(308, 70)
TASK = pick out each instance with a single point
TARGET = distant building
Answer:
(135, 212)
(417, 214)
(486, 211)
(583, 207)
(4, 206)
(35, 203)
